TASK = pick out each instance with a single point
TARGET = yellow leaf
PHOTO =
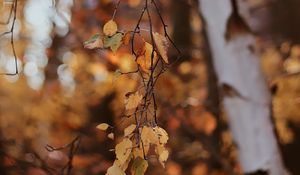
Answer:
(115, 170)
(144, 58)
(123, 166)
(110, 28)
(103, 126)
(163, 154)
(162, 135)
(129, 130)
(162, 45)
(123, 150)
(133, 100)
(111, 136)
(149, 136)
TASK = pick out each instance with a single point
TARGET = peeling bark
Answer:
(246, 97)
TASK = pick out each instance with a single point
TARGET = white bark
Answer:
(239, 67)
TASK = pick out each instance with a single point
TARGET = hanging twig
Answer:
(11, 32)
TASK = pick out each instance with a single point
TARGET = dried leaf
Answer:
(133, 100)
(162, 134)
(123, 166)
(129, 130)
(123, 150)
(139, 166)
(115, 170)
(110, 28)
(111, 136)
(103, 126)
(95, 42)
(149, 136)
(126, 38)
(113, 42)
(162, 45)
(144, 58)
(163, 154)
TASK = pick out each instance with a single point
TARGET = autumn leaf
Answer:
(111, 136)
(123, 166)
(163, 135)
(126, 38)
(129, 130)
(123, 150)
(163, 154)
(144, 58)
(95, 42)
(113, 42)
(149, 136)
(103, 126)
(162, 45)
(115, 170)
(139, 166)
(133, 100)
(110, 28)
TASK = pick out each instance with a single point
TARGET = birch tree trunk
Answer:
(246, 96)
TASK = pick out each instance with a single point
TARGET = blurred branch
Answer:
(73, 148)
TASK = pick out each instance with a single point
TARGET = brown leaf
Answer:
(162, 45)
(144, 58)
(126, 38)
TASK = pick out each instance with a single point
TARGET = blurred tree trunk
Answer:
(180, 11)
(246, 96)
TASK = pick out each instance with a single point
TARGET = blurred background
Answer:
(63, 90)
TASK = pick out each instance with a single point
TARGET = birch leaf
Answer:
(110, 28)
(163, 135)
(139, 166)
(163, 157)
(115, 170)
(126, 38)
(129, 130)
(103, 126)
(162, 45)
(149, 136)
(133, 100)
(113, 42)
(111, 136)
(123, 150)
(144, 58)
(95, 42)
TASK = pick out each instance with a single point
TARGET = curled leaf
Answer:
(103, 126)
(110, 28)
(133, 100)
(95, 42)
(163, 157)
(123, 150)
(144, 59)
(129, 130)
(162, 135)
(111, 136)
(127, 38)
(162, 45)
